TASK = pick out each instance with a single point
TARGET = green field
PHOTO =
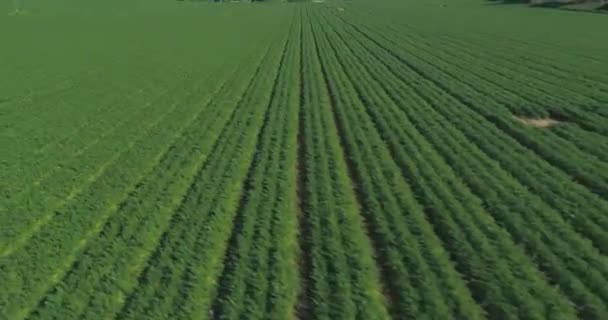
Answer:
(302, 160)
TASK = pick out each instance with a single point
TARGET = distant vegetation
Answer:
(588, 5)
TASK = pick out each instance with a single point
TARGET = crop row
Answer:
(515, 154)
(534, 74)
(260, 278)
(523, 91)
(30, 157)
(44, 120)
(422, 280)
(559, 80)
(589, 289)
(530, 98)
(111, 267)
(582, 62)
(584, 68)
(341, 277)
(448, 205)
(50, 249)
(29, 212)
(109, 264)
(584, 168)
(180, 278)
(544, 90)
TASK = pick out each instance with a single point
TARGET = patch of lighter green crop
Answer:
(17, 11)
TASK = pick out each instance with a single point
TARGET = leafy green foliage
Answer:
(311, 160)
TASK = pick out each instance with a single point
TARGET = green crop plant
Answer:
(302, 160)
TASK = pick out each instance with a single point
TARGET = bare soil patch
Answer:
(538, 122)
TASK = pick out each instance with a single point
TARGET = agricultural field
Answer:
(302, 160)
